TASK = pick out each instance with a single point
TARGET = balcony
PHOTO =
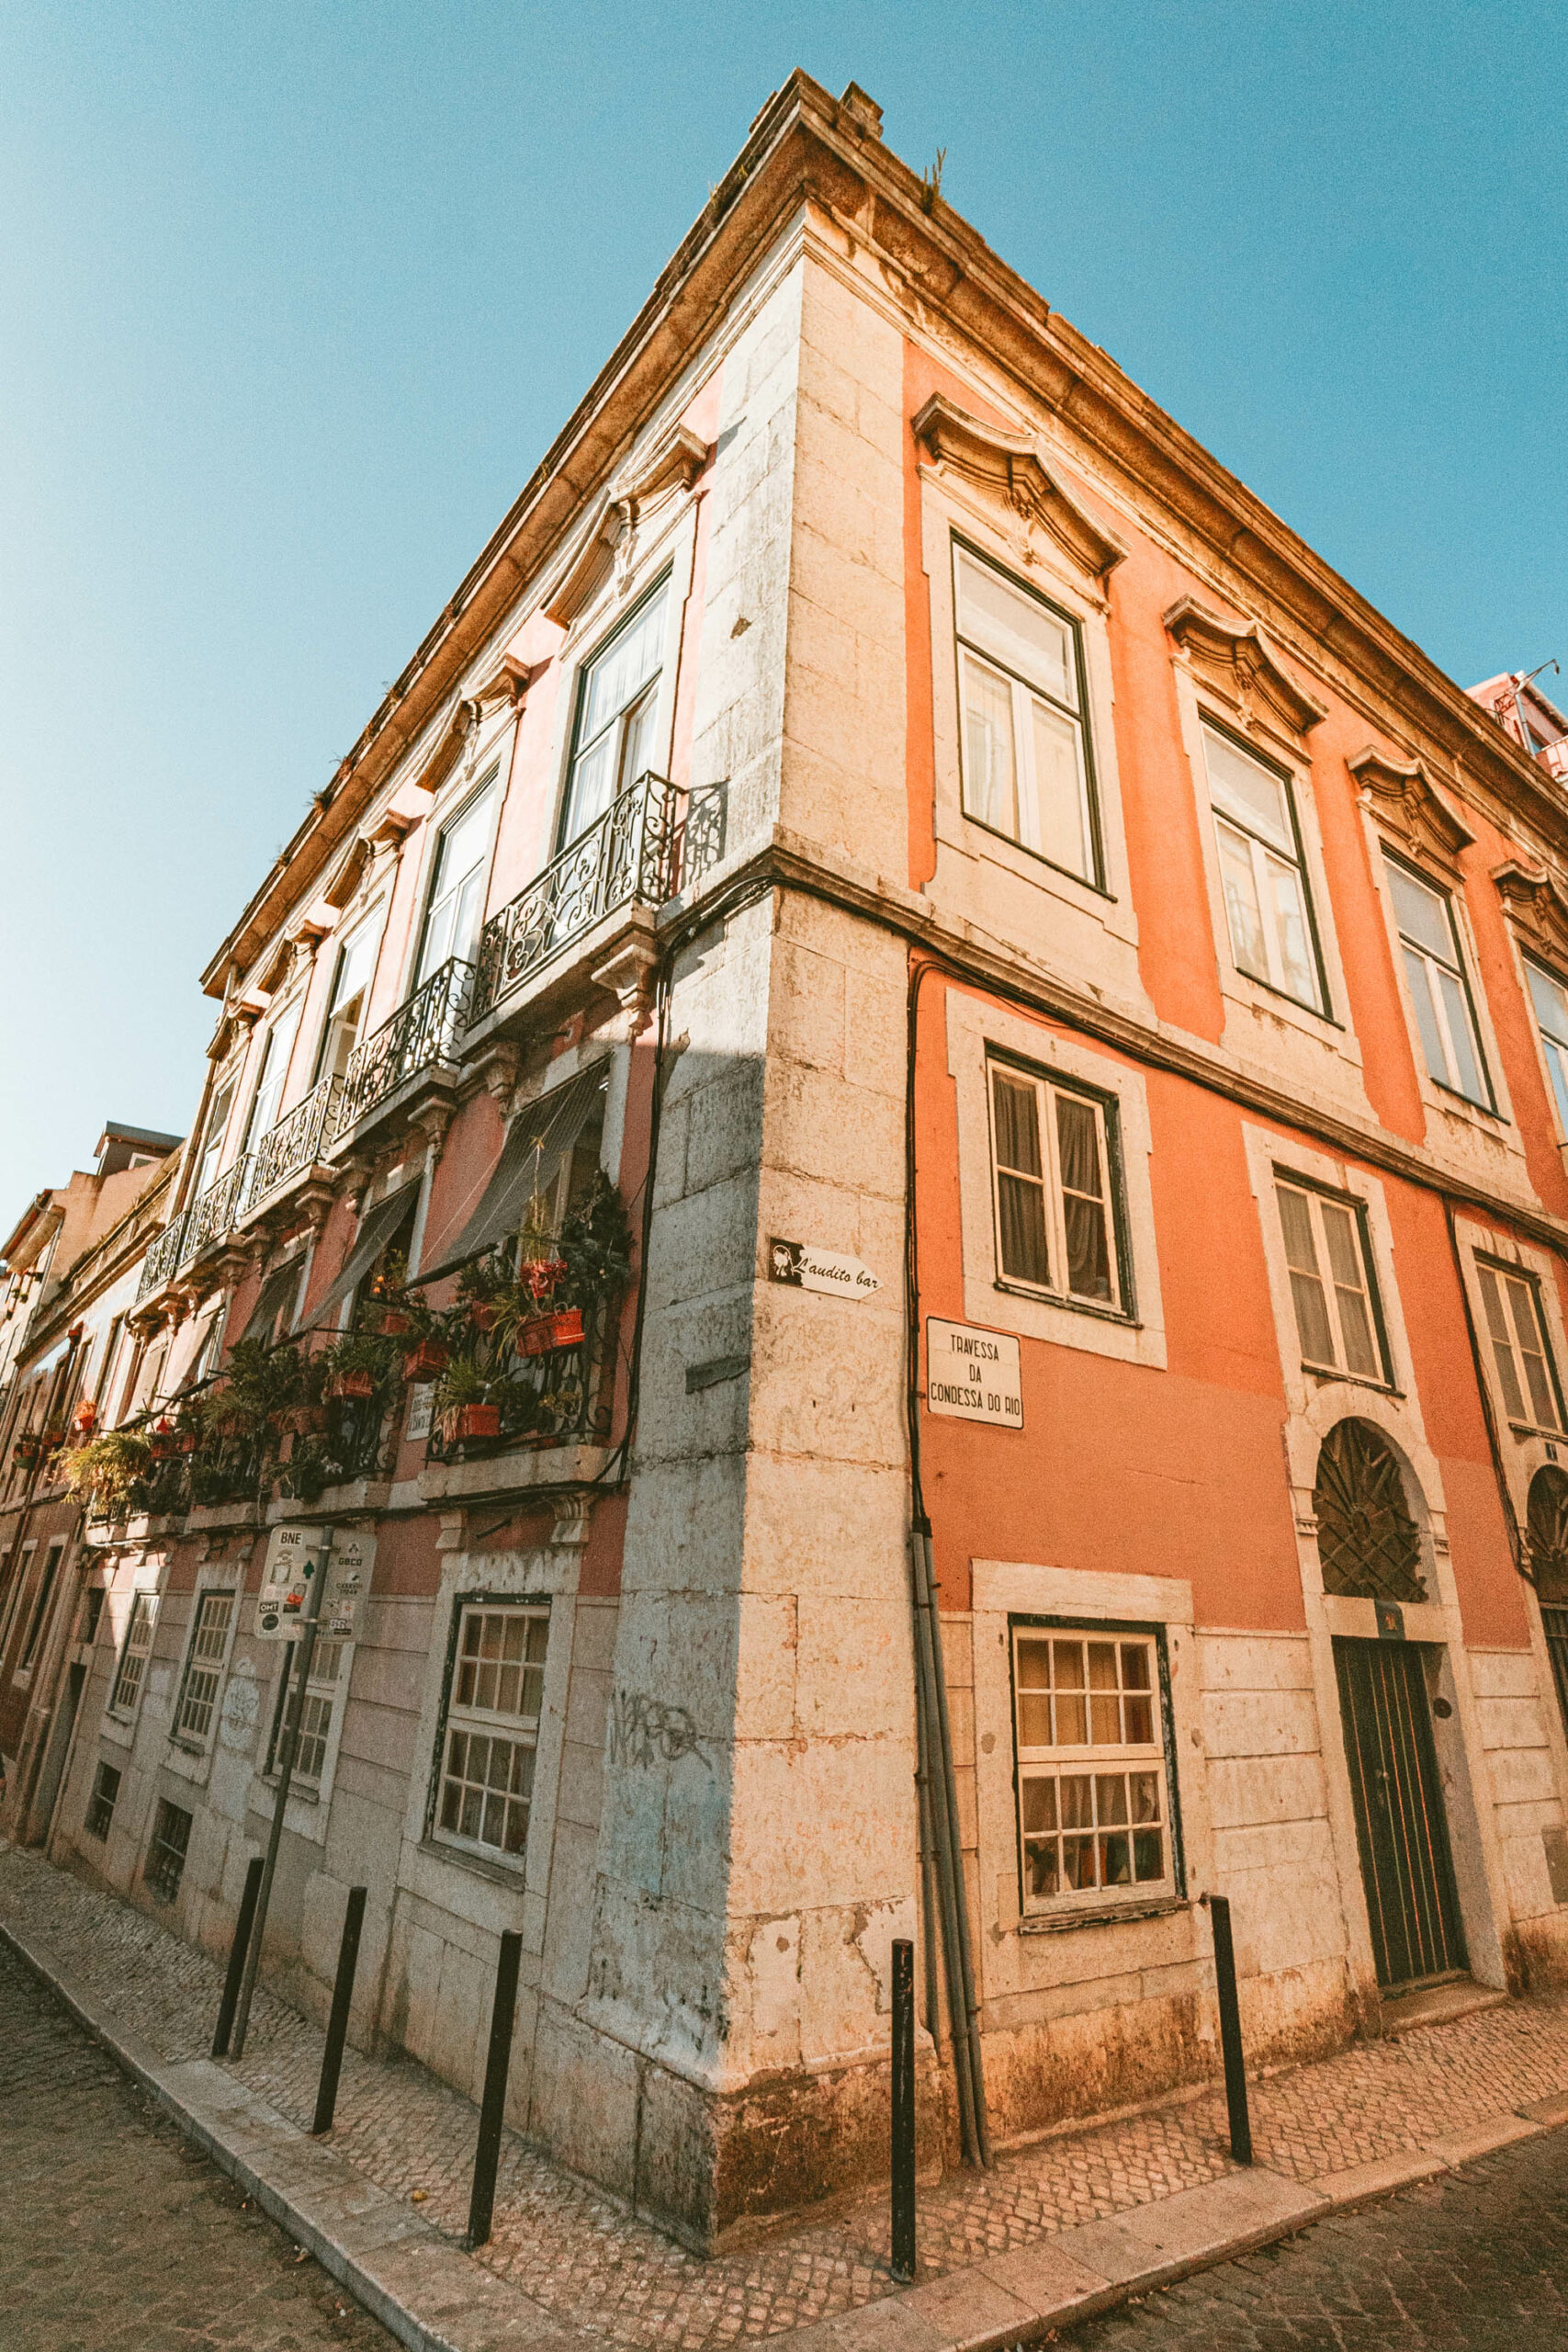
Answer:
(295, 1143)
(163, 1259)
(213, 1212)
(422, 1036)
(630, 856)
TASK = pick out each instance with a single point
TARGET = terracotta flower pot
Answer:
(189, 1440)
(305, 1421)
(425, 1360)
(478, 1420)
(86, 1417)
(355, 1384)
(394, 1322)
(162, 1448)
(483, 1313)
(534, 1336)
(566, 1328)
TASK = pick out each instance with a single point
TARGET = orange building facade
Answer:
(1028, 946)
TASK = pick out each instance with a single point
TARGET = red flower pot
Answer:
(425, 1360)
(86, 1417)
(162, 1448)
(355, 1384)
(535, 1337)
(189, 1440)
(483, 1313)
(566, 1328)
(394, 1322)
(305, 1421)
(478, 1420)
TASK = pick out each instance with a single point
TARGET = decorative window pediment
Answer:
(611, 541)
(235, 1024)
(449, 746)
(292, 955)
(1008, 466)
(1240, 666)
(350, 873)
(1403, 797)
(1538, 907)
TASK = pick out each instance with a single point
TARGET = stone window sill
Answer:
(499, 1873)
(1116, 1915)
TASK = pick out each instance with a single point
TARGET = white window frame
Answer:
(1097, 1763)
(1553, 1045)
(1501, 1285)
(1458, 970)
(330, 1692)
(653, 688)
(367, 925)
(467, 1720)
(119, 1712)
(1319, 1201)
(285, 1024)
(488, 785)
(1260, 850)
(210, 1664)
(1023, 691)
(14, 1600)
(1048, 1092)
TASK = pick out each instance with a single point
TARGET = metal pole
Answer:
(492, 2111)
(306, 1646)
(237, 1951)
(956, 1844)
(1230, 2029)
(337, 2024)
(903, 2108)
(929, 1906)
(941, 1823)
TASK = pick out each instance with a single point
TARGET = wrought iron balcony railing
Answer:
(626, 857)
(558, 1398)
(212, 1213)
(296, 1142)
(423, 1030)
(164, 1257)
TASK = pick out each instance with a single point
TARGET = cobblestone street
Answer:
(114, 2230)
(1475, 2262)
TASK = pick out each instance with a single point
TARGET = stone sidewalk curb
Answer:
(433, 2297)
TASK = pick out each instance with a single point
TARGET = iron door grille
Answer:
(1400, 1827)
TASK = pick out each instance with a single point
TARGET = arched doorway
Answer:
(1546, 1539)
(1370, 1549)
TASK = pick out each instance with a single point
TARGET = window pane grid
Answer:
(166, 1854)
(1519, 1347)
(204, 1670)
(1261, 872)
(1093, 1815)
(1331, 1285)
(134, 1656)
(1435, 973)
(1023, 752)
(1051, 1162)
(101, 1803)
(487, 1766)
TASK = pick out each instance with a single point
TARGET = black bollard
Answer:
(903, 2108)
(493, 2109)
(1230, 2029)
(337, 2024)
(243, 1926)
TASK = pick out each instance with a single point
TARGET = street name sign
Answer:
(973, 1374)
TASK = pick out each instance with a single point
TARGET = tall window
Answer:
(1434, 967)
(1261, 870)
(204, 1666)
(36, 1622)
(101, 1803)
(274, 1072)
(617, 704)
(23, 1568)
(166, 1854)
(1550, 999)
(492, 1728)
(316, 1715)
(345, 1009)
(212, 1142)
(1515, 1325)
(1331, 1283)
(457, 885)
(1052, 1171)
(1093, 1798)
(135, 1650)
(1025, 750)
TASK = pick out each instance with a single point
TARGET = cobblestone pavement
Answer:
(115, 2231)
(1477, 2262)
(589, 2263)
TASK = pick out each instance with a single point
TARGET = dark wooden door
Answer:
(1400, 1826)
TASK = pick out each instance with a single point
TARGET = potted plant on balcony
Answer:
(27, 1448)
(428, 1359)
(84, 1420)
(463, 1401)
(388, 1309)
(106, 1467)
(307, 1417)
(358, 1364)
(162, 1438)
(481, 1288)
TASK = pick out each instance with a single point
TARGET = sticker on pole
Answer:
(804, 1267)
(973, 1374)
(348, 1581)
(293, 1556)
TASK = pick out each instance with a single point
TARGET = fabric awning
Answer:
(536, 1142)
(377, 1227)
(277, 1293)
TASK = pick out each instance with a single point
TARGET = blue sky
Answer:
(293, 298)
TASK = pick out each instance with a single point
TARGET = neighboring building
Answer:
(69, 1363)
(879, 741)
(1518, 702)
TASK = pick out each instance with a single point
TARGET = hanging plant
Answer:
(359, 1364)
(596, 1243)
(108, 1466)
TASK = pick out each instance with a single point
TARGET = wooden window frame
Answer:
(1500, 1271)
(520, 1731)
(1459, 970)
(118, 1707)
(1120, 1306)
(1261, 848)
(1357, 1210)
(182, 1733)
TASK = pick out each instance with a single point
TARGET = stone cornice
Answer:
(807, 149)
(1538, 907)
(1240, 666)
(1402, 794)
(1010, 465)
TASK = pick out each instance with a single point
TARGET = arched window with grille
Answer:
(1366, 1540)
